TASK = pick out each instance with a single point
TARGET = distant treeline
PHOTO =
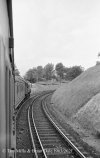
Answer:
(49, 72)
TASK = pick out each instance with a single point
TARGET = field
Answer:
(45, 85)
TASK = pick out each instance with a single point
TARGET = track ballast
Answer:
(47, 138)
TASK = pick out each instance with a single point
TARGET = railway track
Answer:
(48, 139)
(24, 147)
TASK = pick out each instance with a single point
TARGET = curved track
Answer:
(48, 139)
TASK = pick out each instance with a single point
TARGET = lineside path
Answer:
(23, 140)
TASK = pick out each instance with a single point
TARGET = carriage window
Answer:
(17, 89)
(10, 106)
(7, 104)
(6, 98)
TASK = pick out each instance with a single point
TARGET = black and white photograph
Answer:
(49, 78)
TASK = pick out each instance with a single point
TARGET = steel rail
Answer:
(38, 135)
(17, 112)
(29, 122)
(59, 130)
(45, 109)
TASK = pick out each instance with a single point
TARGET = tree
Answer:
(65, 71)
(40, 73)
(35, 74)
(29, 76)
(48, 71)
(73, 72)
(98, 62)
(98, 54)
(60, 70)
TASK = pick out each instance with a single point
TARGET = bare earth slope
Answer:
(79, 100)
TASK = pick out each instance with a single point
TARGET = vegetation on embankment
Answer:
(79, 100)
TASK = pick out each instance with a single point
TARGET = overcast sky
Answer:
(52, 31)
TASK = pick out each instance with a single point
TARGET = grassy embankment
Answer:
(79, 100)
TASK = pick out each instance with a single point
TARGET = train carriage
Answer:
(7, 133)
(28, 89)
(12, 89)
(20, 88)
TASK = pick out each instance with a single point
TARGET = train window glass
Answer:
(7, 106)
(22, 88)
(6, 86)
(10, 105)
(17, 88)
(6, 99)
